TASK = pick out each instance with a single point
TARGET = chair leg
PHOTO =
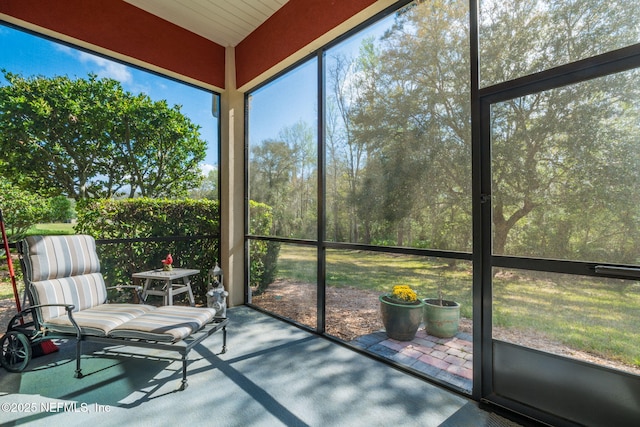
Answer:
(184, 384)
(78, 373)
(224, 339)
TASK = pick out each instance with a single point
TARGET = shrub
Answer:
(188, 229)
(263, 254)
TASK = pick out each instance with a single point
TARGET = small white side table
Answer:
(170, 288)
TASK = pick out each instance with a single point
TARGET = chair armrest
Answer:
(29, 310)
(68, 307)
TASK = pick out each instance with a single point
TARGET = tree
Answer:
(555, 154)
(90, 138)
(60, 209)
(21, 209)
(208, 188)
(272, 167)
(346, 154)
(299, 137)
(558, 154)
(409, 111)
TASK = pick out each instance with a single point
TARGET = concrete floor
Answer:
(272, 374)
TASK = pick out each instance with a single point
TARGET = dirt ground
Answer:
(7, 310)
(7, 305)
(352, 313)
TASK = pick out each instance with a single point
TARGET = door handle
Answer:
(610, 270)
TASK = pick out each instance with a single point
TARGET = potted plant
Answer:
(441, 316)
(401, 312)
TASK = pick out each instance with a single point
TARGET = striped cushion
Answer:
(63, 270)
(66, 270)
(166, 323)
(83, 292)
(52, 257)
(99, 320)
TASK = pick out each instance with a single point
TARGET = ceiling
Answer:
(225, 22)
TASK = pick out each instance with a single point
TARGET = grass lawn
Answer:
(51, 228)
(599, 316)
(6, 289)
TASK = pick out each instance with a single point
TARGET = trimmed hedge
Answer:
(179, 221)
(263, 254)
(188, 229)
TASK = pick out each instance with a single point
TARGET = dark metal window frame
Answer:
(481, 255)
(320, 243)
(587, 69)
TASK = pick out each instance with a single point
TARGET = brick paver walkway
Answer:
(448, 359)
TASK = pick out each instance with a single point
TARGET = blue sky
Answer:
(275, 106)
(293, 96)
(28, 55)
(283, 102)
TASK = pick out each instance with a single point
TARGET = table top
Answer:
(161, 274)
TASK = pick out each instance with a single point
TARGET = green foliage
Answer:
(89, 138)
(283, 176)
(565, 165)
(60, 209)
(263, 254)
(208, 188)
(172, 219)
(21, 209)
(146, 218)
(410, 114)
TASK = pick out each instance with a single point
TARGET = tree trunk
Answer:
(502, 225)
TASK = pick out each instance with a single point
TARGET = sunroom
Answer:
(481, 152)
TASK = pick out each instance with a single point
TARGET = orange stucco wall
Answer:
(119, 27)
(295, 25)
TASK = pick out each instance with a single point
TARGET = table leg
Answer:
(187, 283)
(147, 282)
(168, 296)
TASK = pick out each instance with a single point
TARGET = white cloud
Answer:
(206, 168)
(107, 68)
(63, 48)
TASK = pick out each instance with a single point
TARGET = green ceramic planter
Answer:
(441, 321)
(401, 321)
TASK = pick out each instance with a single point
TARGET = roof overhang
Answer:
(186, 39)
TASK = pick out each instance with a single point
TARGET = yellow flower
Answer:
(404, 293)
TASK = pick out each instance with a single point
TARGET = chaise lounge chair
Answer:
(69, 300)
